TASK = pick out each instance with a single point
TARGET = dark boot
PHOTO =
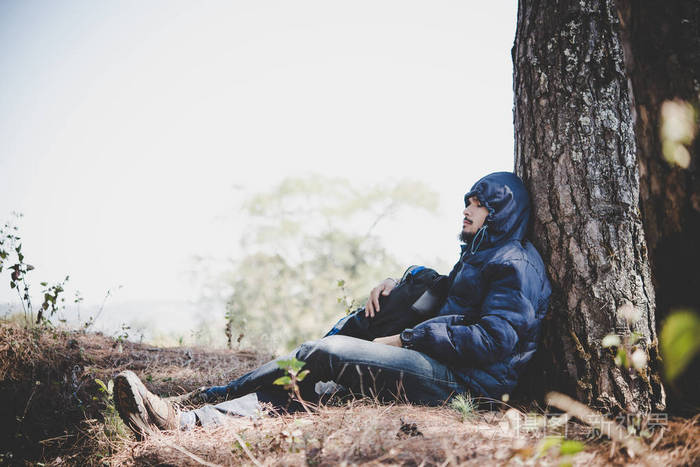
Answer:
(141, 410)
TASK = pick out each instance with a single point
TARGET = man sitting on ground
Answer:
(479, 342)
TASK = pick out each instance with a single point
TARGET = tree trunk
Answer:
(662, 55)
(576, 151)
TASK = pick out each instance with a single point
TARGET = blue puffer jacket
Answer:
(489, 326)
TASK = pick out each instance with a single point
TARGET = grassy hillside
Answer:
(55, 411)
(53, 405)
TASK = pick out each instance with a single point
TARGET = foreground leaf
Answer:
(679, 342)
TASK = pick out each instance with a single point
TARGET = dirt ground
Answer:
(56, 412)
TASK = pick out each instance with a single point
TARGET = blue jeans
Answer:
(362, 367)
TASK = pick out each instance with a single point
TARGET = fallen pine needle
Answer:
(246, 450)
(192, 456)
(597, 420)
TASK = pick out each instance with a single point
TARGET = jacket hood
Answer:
(506, 198)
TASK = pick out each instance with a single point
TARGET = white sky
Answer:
(131, 130)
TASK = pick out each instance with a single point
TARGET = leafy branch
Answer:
(345, 299)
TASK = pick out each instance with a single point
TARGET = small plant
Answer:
(52, 303)
(91, 320)
(12, 258)
(348, 303)
(293, 367)
(628, 353)
(121, 336)
(292, 439)
(464, 405)
(234, 320)
(113, 425)
(10, 246)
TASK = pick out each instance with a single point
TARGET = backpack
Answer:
(416, 298)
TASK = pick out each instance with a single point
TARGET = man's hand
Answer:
(384, 288)
(394, 340)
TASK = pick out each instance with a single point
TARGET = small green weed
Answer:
(113, 425)
(11, 252)
(293, 367)
(630, 350)
(348, 302)
(464, 405)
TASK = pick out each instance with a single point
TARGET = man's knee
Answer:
(327, 347)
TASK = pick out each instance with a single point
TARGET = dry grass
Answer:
(66, 420)
(680, 441)
(52, 406)
(368, 433)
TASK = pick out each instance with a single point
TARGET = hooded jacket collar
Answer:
(506, 198)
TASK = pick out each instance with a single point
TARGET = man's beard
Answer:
(466, 237)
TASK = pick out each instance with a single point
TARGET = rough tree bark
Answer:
(576, 151)
(662, 56)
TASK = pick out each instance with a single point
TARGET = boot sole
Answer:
(130, 404)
